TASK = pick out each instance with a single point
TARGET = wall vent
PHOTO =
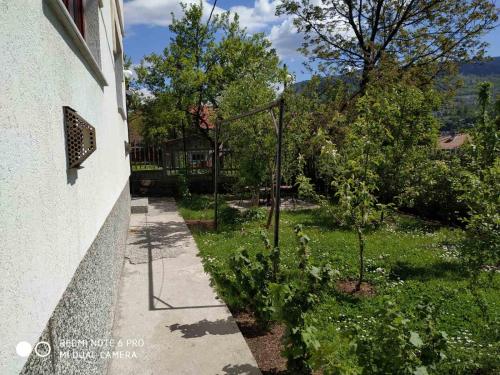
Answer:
(80, 138)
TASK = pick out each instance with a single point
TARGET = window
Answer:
(75, 9)
(119, 81)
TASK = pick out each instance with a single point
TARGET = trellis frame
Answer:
(280, 103)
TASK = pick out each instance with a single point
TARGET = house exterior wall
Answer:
(59, 228)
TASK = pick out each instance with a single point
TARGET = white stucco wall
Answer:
(49, 218)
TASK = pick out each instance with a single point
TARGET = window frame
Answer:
(76, 10)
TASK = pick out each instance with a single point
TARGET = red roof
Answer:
(206, 113)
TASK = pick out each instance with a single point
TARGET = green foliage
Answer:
(480, 184)
(253, 139)
(293, 299)
(251, 284)
(197, 207)
(358, 36)
(247, 286)
(183, 186)
(407, 259)
(253, 214)
(431, 190)
(305, 188)
(388, 344)
(229, 215)
(202, 61)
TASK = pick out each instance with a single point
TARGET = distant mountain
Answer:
(461, 113)
(486, 68)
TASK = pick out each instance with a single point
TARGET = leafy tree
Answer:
(134, 99)
(202, 59)
(409, 135)
(353, 172)
(252, 140)
(480, 188)
(393, 132)
(348, 35)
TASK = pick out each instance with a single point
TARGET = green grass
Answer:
(199, 207)
(407, 259)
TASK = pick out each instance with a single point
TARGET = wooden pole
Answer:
(278, 187)
(216, 174)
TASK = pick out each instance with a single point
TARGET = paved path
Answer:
(166, 300)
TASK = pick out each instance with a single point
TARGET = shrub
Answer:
(293, 299)
(253, 214)
(389, 343)
(247, 286)
(228, 215)
(183, 186)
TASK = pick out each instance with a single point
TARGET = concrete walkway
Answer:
(168, 318)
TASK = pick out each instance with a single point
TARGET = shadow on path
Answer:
(205, 327)
(245, 369)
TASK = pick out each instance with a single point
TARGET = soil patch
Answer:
(266, 346)
(349, 287)
(200, 224)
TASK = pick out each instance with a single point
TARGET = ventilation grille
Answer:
(80, 138)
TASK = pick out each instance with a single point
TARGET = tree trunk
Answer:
(254, 201)
(271, 211)
(184, 147)
(361, 240)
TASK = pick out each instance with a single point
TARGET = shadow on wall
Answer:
(71, 176)
(204, 327)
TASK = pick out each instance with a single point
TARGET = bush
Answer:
(229, 215)
(389, 343)
(247, 287)
(183, 186)
(253, 214)
(432, 190)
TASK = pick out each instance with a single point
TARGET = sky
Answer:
(146, 28)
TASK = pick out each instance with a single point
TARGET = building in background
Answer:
(64, 194)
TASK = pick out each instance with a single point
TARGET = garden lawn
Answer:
(407, 261)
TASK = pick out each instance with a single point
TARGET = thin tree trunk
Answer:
(271, 211)
(254, 201)
(361, 241)
(184, 146)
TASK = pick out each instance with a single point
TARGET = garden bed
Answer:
(408, 263)
(266, 346)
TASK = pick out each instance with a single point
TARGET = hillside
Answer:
(462, 111)
(486, 68)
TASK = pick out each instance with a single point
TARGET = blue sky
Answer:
(146, 28)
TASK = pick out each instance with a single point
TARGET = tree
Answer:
(353, 170)
(134, 99)
(421, 35)
(393, 131)
(409, 135)
(203, 58)
(480, 184)
(252, 140)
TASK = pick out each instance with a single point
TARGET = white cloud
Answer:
(158, 12)
(257, 18)
(286, 39)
